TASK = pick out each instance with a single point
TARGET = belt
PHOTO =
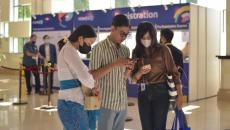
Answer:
(68, 84)
(156, 84)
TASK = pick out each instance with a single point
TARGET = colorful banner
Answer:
(53, 22)
(176, 16)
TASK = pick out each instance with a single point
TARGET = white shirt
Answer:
(47, 52)
(71, 66)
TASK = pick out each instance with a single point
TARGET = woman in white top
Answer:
(72, 74)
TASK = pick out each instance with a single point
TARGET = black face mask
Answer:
(84, 49)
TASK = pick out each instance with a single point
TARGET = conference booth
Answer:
(192, 35)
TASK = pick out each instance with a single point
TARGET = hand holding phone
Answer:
(135, 60)
(147, 67)
(131, 63)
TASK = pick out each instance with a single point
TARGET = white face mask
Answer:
(146, 43)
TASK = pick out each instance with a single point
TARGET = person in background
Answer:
(150, 72)
(110, 65)
(48, 51)
(166, 37)
(73, 74)
(30, 57)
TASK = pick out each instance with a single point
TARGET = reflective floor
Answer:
(201, 115)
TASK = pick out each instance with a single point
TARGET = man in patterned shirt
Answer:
(110, 66)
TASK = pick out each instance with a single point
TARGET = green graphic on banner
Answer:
(192, 1)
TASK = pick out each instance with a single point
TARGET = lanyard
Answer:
(143, 77)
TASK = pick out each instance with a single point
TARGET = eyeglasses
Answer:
(123, 34)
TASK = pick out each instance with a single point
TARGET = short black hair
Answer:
(45, 36)
(120, 20)
(86, 31)
(33, 35)
(168, 34)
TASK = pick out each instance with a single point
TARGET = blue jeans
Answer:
(72, 115)
(111, 120)
(93, 117)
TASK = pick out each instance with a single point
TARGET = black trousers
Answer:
(153, 105)
(35, 71)
(45, 78)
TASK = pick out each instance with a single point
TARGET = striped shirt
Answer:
(112, 85)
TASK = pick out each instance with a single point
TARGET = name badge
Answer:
(142, 87)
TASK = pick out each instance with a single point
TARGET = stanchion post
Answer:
(49, 83)
(45, 68)
(20, 102)
(49, 106)
(20, 83)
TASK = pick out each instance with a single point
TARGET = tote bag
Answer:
(181, 120)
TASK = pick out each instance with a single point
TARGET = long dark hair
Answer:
(142, 29)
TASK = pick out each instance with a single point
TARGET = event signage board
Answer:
(173, 16)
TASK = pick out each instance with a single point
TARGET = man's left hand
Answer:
(130, 65)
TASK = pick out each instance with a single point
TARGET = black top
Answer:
(177, 56)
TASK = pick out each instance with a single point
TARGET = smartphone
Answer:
(135, 59)
(148, 66)
(147, 61)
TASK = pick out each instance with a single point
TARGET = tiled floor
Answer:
(211, 115)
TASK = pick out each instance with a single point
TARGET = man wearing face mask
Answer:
(48, 51)
(30, 56)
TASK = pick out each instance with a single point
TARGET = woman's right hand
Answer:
(96, 91)
(143, 70)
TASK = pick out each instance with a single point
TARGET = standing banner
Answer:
(52, 22)
(56, 26)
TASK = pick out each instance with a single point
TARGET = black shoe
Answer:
(43, 92)
(131, 104)
(37, 92)
(128, 119)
